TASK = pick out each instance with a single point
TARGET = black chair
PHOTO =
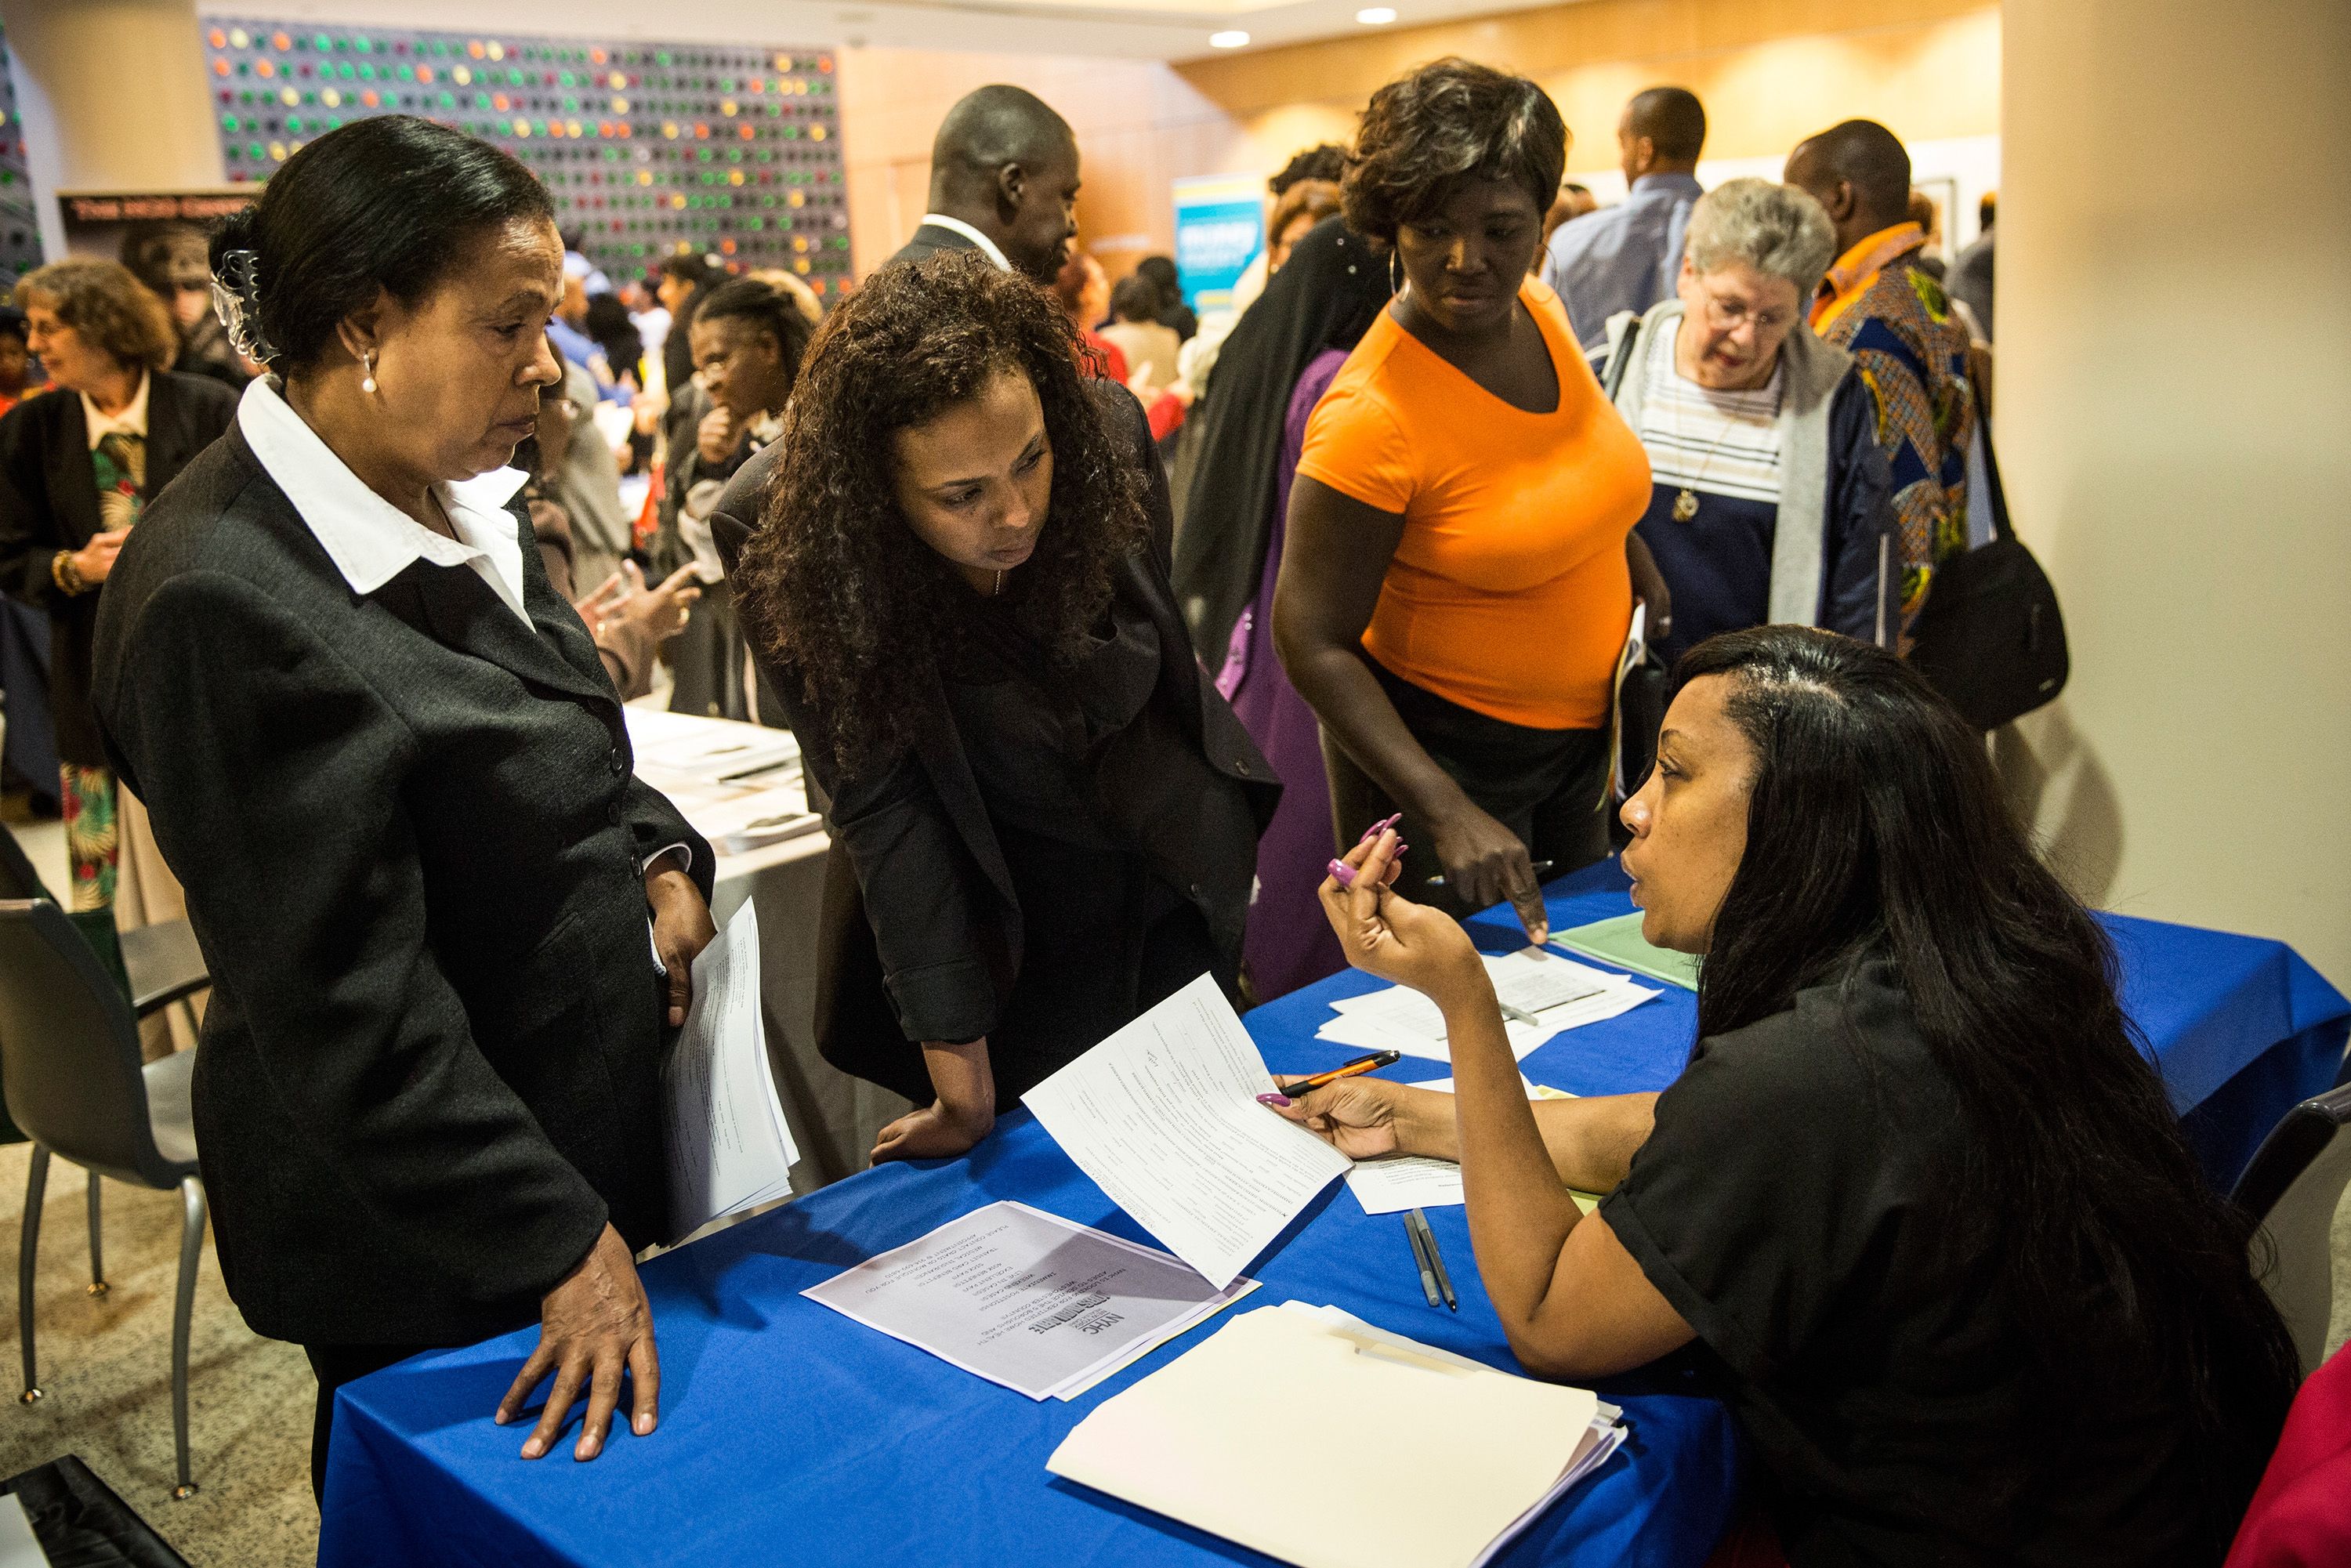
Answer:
(160, 965)
(69, 1065)
(162, 962)
(2294, 1186)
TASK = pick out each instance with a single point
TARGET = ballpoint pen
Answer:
(1420, 1257)
(1371, 1063)
(1435, 1259)
(1540, 867)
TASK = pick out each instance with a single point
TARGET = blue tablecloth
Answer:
(790, 1434)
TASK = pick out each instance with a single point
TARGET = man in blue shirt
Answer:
(1626, 258)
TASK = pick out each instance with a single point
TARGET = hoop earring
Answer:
(367, 368)
(1395, 265)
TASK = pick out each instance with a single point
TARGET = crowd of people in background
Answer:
(1106, 624)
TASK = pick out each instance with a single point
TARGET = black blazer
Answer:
(928, 240)
(410, 841)
(48, 502)
(918, 902)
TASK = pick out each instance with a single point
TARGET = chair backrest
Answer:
(2292, 1186)
(69, 1059)
(18, 877)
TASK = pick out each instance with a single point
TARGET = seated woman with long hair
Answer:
(1918, 1200)
(1044, 817)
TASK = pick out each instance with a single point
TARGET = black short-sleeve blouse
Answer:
(1790, 1205)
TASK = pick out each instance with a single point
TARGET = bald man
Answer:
(1626, 258)
(1003, 180)
(1878, 303)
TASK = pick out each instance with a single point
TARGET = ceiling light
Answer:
(1376, 16)
(1234, 39)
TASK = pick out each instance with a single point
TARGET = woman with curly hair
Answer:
(1458, 575)
(1044, 817)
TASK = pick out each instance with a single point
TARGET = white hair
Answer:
(1778, 230)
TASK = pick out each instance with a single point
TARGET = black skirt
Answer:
(1547, 786)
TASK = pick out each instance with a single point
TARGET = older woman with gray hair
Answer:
(1770, 499)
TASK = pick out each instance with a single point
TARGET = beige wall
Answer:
(2175, 386)
(1770, 71)
(82, 132)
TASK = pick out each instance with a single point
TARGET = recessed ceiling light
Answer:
(1231, 40)
(1376, 16)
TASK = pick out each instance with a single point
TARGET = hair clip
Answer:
(236, 301)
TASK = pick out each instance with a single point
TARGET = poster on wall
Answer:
(650, 150)
(1219, 226)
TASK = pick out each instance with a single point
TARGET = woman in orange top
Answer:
(1461, 567)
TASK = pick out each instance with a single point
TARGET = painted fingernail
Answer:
(1342, 874)
(1273, 1099)
(1401, 849)
(1377, 829)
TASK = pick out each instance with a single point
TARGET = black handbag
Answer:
(1990, 637)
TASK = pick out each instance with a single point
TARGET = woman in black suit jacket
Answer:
(960, 576)
(385, 759)
(78, 465)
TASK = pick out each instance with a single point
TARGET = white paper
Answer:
(1163, 1116)
(19, 1547)
(1399, 1182)
(1558, 993)
(729, 1149)
(707, 748)
(1025, 1298)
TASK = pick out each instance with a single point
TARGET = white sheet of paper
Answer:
(1376, 1023)
(1163, 1116)
(1400, 1182)
(729, 1147)
(1025, 1299)
(19, 1547)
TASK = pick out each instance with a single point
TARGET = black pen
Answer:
(1420, 1257)
(1540, 867)
(1435, 1259)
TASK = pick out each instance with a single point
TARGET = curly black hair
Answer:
(835, 587)
(1421, 135)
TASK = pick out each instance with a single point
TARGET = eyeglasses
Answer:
(1728, 315)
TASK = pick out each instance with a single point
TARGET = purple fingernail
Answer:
(1273, 1099)
(1377, 829)
(1342, 874)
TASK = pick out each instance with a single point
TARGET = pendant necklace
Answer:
(998, 591)
(1686, 503)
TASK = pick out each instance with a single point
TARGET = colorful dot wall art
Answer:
(649, 149)
(20, 231)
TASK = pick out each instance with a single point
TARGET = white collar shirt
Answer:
(370, 540)
(131, 421)
(987, 247)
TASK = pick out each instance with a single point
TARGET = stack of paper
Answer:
(728, 1147)
(1046, 1307)
(1258, 1434)
(1555, 993)
(1394, 1183)
(739, 784)
(1163, 1116)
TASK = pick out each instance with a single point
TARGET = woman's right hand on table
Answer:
(592, 1326)
(1485, 863)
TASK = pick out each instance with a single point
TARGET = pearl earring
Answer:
(367, 365)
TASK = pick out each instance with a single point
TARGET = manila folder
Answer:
(1289, 1435)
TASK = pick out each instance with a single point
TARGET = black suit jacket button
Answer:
(1240, 766)
(619, 764)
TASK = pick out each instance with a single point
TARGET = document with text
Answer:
(729, 1148)
(1041, 1304)
(1163, 1116)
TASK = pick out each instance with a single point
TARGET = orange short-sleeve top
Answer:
(1509, 592)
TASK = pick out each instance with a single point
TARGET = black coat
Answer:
(920, 914)
(928, 240)
(410, 841)
(48, 502)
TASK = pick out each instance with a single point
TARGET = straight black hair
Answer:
(1876, 828)
(391, 201)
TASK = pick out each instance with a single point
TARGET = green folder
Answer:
(1618, 942)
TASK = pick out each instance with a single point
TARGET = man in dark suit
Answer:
(1003, 180)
